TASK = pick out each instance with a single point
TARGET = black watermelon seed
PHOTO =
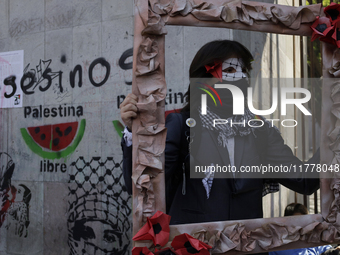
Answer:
(42, 137)
(37, 130)
(56, 141)
(338, 34)
(67, 131)
(57, 129)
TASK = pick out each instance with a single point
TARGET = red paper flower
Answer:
(321, 27)
(141, 251)
(332, 11)
(156, 229)
(166, 251)
(328, 28)
(187, 245)
(215, 70)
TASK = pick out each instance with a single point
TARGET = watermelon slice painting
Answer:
(54, 141)
(118, 127)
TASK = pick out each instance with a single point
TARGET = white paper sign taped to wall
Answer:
(11, 71)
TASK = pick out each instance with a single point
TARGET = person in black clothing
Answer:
(211, 198)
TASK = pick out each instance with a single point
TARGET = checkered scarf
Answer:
(228, 131)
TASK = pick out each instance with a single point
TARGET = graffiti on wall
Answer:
(42, 77)
(125, 64)
(99, 218)
(60, 111)
(54, 141)
(6, 171)
(11, 69)
(20, 26)
(99, 208)
(14, 200)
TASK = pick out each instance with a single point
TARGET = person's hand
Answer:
(128, 109)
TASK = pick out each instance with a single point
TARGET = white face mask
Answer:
(232, 69)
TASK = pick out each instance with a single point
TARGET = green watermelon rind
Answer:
(119, 127)
(57, 154)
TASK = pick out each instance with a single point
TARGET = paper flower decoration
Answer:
(141, 251)
(165, 251)
(215, 70)
(321, 29)
(332, 11)
(156, 229)
(187, 245)
(327, 28)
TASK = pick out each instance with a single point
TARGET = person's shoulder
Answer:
(176, 117)
(179, 113)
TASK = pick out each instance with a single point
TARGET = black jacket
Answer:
(230, 198)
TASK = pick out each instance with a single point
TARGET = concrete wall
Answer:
(72, 199)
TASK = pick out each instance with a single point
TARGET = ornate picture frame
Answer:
(149, 132)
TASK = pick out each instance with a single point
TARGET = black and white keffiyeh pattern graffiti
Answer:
(99, 208)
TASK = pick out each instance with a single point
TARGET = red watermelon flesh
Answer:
(54, 137)
(41, 135)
